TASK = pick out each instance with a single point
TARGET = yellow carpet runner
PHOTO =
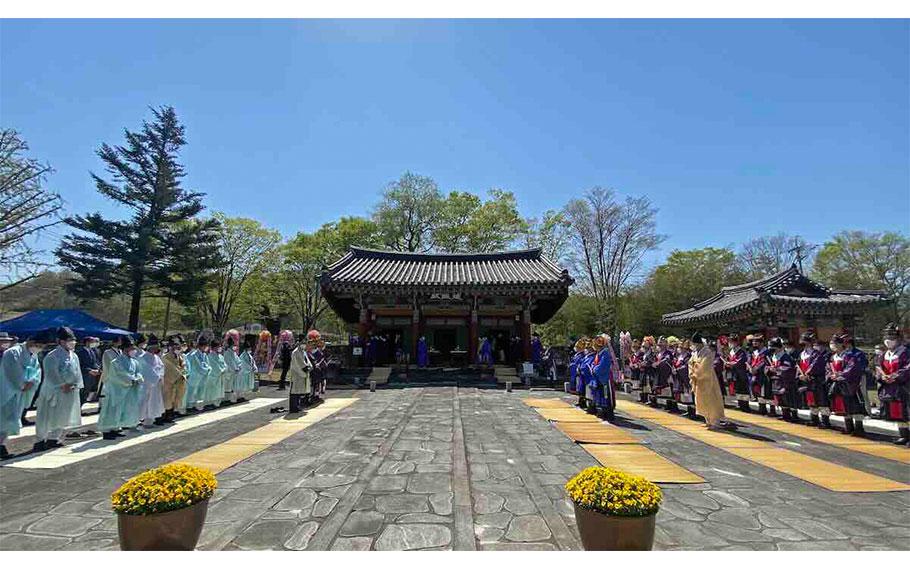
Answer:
(831, 437)
(813, 470)
(610, 445)
(222, 456)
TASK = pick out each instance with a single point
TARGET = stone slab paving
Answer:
(443, 468)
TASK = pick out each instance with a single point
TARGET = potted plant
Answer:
(614, 510)
(163, 508)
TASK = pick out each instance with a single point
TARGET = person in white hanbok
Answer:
(301, 384)
(151, 407)
(59, 407)
(231, 371)
(121, 392)
(20, 375)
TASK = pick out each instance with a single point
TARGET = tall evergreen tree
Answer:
(163, 247)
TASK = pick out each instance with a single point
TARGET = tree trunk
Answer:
(135, 303)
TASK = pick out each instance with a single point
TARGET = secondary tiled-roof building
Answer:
(785, 303)
(451, 299)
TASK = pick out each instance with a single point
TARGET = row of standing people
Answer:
(824, 377)
(139, 387)
(306, 368)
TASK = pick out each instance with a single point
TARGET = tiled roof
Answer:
(376, 268)
(788, 289)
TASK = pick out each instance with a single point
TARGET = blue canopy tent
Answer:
(41, 322)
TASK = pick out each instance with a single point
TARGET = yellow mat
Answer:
(222, 456)
(820, 472)
(588, 433)
(813, 470)
(639, 460)
(546, 403)
(824, 436)
(567, 415)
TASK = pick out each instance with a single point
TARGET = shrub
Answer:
(613, 492)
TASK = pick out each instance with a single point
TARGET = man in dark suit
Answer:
(90, 364)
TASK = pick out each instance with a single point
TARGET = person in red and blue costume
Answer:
(759, 385)
(682, 389)
(735, 364)
(664, 371)
(845, 375)
(811, 376)
(782, 372)
(893, 376)
(601, 383)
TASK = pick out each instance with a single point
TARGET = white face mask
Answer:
(70, 345)
(890, 343)
(34, 350)
(832, 346)
(132, 353)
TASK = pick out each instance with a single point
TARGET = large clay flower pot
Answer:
(173, 530)
(608, 532)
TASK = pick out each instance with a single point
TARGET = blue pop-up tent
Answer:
(40, 322)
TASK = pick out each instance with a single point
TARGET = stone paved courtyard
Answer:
(441, 468)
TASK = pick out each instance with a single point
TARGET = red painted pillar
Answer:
(415, 334)
(526, 333)
(472, 337)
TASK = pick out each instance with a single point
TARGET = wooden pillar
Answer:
(363, 326)
(415, 333)
(525, 330)
(472, 337)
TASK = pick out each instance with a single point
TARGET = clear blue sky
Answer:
(734, 129)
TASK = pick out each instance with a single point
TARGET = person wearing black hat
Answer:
(845, 373)
(893, 374)
(90, 366)
(709, 400)
(20, 375)
(59, 408)
(6, 341)
(197, 371)
(735, 364)
(759, 384)
(121, 392)
(782, 372)
(174, 384)
(811, 379)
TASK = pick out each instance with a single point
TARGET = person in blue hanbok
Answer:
(423, 352)
(586, 374)
(536, 350)
(122, 392)
(232, 369)
(573, 366)
(58, 401)
(20, 375)
(486, 352)
(246, 377)
(213, 392)
(602, 378)
(197, 371)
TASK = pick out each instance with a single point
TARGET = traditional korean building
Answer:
(785, 304)
(450, 299)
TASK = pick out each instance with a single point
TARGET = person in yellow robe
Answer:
(709, 401)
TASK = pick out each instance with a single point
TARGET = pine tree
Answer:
(164, 248)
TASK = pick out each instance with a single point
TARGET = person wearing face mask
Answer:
(231, 368)
(893, 374)
(679, 374)
(197, 371)
(648, 370)
(20, 375)
(844, 374)
(586, 372)
(91, 368)
(758, 380)
(735, 364)
(213, 391)
(578, 384)
(602, 393)
(709, 401)
(122, 391)
(635, 369)
(811, 379)
(58, 399)
(663, 371)
(573, 367)
(111, 353)
(301, 385)
(782, 372)
(151, 367)
(174, 385)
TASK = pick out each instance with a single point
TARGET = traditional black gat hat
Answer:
(65, 334)
(697, 338)
(891, 331)
(776, 343)
(807, 337)
(126, 342)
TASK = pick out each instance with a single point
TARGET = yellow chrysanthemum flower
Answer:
(165, 488)
(613, 492)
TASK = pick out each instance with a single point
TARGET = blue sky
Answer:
(734, 129)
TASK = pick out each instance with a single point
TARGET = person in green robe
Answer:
(59, 407)
(20, 375)
(246, 378)
(121, 392)
(197, 371)
(213, 391)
